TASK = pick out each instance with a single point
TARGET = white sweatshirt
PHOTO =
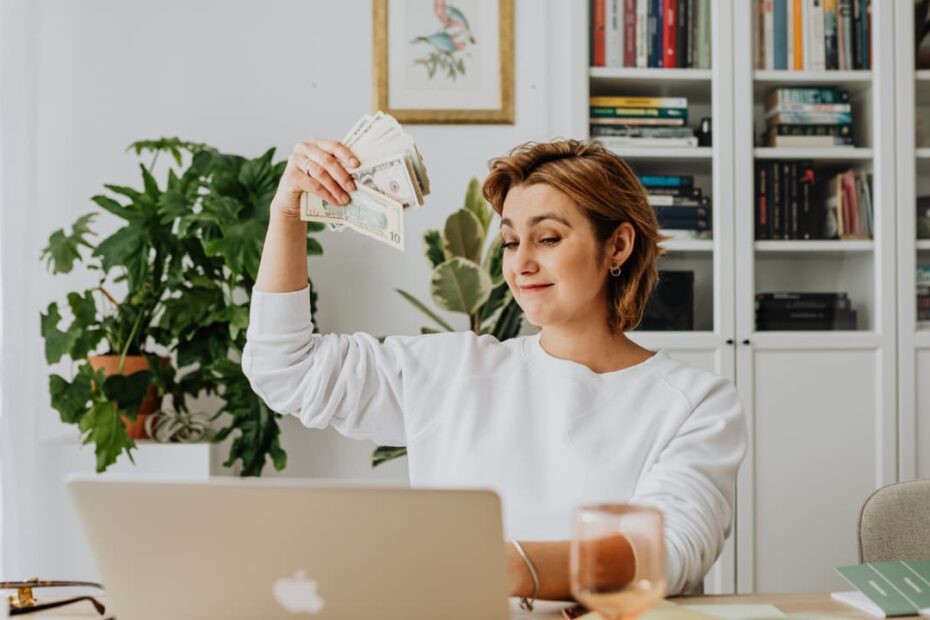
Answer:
(546, 434)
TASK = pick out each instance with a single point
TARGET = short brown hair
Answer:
(608, 192)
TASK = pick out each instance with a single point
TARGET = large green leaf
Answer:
(62, 250)
(422, 308)
(494, 261)
(128, 213)
(509, 322)
(103, 426)
(126, 247)
(459, 285)
(57, 342)
(476, 203)
(84, 328)
(70, 399)
(240, 246)
(464, 236)
(500, 296)
(128, 390)
(433, 247)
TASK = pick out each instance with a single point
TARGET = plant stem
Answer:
(132, 334)
(107, 295)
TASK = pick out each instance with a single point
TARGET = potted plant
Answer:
(466, 278)
(187, 256)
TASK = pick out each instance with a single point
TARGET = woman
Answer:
(575, 414)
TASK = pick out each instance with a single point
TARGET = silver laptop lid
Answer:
(232, 548)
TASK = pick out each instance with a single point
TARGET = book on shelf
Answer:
(811, 130)
(849, 206)
(619, 142)
(641, 121)
(633, 121)
(680, 192)
(682, 202)
(813, 35)
(650, 33)
(804, 311)
(923, 293)
(640, 131)
(639, 102)
(624, 112)
(687, 235)
(806, 94)
(923, 217)
(806, 116)
(785, 206)
(666, 180)
(775, 140)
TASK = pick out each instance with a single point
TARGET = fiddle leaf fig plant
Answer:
(464, 281)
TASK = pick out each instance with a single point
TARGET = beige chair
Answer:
(894, 523)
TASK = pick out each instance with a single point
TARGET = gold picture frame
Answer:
(381, 60)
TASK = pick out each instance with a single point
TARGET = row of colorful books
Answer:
(808, 116)
(641, 121)
(679, 205)
(650, 33)
(788, 204)
(813, 35)
(804, 311)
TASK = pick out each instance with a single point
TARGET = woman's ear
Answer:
(620, 245)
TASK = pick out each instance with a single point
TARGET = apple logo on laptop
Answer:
(298, 594)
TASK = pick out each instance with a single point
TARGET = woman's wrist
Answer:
(521, 581)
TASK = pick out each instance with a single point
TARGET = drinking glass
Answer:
(617, 562)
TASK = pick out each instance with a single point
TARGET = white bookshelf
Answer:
(815, 245)
(820, 154)
(816, 402)
(912, 179)
(821, 401)
(689, 245)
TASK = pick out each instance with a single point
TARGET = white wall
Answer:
(83, 79)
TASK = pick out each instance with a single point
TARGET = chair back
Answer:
(894, 523)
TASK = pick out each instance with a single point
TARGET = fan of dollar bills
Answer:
(391, 177)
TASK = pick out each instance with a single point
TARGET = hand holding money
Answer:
(390, 177)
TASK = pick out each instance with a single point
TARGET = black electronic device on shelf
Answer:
(671, 305)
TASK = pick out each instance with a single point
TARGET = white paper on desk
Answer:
(859, 600)
(737, 612)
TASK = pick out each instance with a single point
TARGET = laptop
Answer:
(234, 548)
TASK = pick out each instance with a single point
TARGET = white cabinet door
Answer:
(820, 446)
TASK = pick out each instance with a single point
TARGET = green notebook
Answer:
(897, 588)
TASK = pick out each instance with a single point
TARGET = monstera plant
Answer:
(466, 278)
(187, 256)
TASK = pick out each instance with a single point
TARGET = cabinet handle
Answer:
(730, 341)
(746, 341)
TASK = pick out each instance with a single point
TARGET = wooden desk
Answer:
(817, 605)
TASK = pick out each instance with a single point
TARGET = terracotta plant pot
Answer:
(131, 364)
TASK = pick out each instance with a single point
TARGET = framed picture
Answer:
(439, 61)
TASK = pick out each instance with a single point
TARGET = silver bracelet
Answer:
(526, 604)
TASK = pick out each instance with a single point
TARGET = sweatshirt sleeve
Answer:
(693, 483)
(350, 382)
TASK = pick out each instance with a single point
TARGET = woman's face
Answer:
(553, 262)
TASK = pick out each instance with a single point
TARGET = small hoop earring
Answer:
(615, 271)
